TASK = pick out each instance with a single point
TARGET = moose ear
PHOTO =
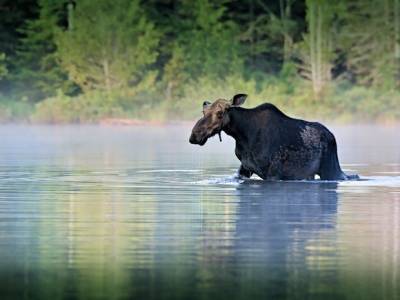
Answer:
(206, 103)
(238, 99)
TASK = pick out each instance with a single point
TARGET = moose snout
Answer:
(192, 139)
(199, 133)
(197, 139)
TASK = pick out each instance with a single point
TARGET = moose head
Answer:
(214, 119)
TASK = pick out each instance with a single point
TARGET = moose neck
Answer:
(239, 125)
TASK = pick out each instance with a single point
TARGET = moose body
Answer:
(271, 144)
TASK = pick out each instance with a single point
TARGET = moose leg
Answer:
(329, 166)
(243, 172)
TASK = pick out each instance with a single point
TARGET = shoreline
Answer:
(130, 122)
(138, 122)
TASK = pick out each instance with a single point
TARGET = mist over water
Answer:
(139, 213)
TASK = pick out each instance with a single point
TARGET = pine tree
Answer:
(200, 41)
(37, 71)
(13, 14)
(370, 40)
(3, 68)
(12, 17)
(208, 39)
(268, 32)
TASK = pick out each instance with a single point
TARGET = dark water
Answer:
(138, 213)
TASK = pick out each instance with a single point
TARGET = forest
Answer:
(84, 61)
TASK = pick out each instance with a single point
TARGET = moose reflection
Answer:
(279, 234)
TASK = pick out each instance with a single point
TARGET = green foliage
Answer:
(38, 73)
(316, 50)
(13, 14)
(371, 41)
(3, 67)
(13, 111)
(342, 102)
(111, 46)
(209, 44)
(83, 61)
(88, 107)
(174, 74)
(270, 33)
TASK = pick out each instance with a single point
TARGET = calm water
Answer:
(139, 213)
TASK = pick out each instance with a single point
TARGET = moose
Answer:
(269, 143)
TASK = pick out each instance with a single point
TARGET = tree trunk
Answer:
(106, 72)
(70, 9)
(285, 11)
(319, 44)
(397, 29)
(313, 56)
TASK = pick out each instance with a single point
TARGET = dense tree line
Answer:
(82, 60)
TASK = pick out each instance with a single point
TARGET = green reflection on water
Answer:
(86, 235)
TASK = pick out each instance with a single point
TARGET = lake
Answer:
(97, 212)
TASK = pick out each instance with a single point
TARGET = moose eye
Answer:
(206, 103)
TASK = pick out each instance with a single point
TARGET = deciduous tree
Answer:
(110, 47)
(317, 51)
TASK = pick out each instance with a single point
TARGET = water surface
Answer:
(139, 213)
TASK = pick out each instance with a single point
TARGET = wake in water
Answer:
(194, 177)
(225, 180)
(384, 181)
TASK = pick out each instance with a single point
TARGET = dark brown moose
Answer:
(269, 143)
